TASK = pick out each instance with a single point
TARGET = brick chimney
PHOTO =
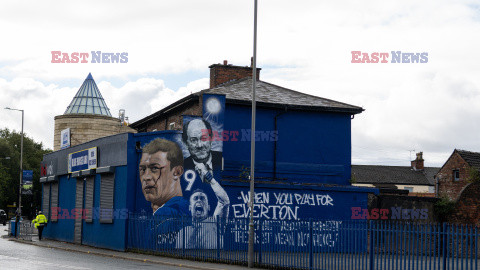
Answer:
(417, 164)
(224, 73)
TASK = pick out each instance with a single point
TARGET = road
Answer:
(19, 256)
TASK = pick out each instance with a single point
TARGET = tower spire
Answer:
(88, 100)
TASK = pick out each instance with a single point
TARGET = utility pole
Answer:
(251, 231)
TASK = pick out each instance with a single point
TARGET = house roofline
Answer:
(400, 183)
(354, 110)
(451, 155)
(170, 107)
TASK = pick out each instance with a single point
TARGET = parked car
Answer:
(3, 217)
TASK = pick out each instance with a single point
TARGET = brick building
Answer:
(467, 207)
(417, 179)
(455, 174)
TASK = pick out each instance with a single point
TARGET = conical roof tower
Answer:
(87, 117)
(88, 100)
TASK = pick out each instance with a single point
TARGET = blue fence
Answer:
(313, 244)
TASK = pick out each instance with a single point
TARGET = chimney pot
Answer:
(417, 164)
(225, 62)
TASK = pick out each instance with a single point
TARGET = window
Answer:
(89, 188)
(456, 175)
(171, 126)
(410, 189)
(107, 184)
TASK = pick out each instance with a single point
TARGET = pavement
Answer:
(127, 255)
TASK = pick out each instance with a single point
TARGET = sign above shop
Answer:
(82, 160)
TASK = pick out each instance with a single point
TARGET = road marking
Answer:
(36, 262)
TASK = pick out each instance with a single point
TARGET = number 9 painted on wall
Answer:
(190, 176)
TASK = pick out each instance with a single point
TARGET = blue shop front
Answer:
(200, 173)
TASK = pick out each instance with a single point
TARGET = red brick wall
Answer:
(162, 122)
(467, 208)
(223, 73)
(446, 185)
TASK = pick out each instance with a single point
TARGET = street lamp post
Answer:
(19, 210)
(251, 228)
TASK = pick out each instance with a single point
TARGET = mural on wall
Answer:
(160, 171)
(181, 179)
(209, 202)
(285, 217)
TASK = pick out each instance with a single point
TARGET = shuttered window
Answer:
(46, 200)
(54, 201)
(107, 184)
(77, 230)
(89, 188)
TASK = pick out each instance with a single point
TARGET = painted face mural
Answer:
(199, 205)
(160, 169)
(156, 177)
(197, 141)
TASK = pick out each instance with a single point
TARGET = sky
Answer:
(304, 45)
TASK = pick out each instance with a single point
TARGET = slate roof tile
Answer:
(376, 174)
(472, 158)
(240, 90)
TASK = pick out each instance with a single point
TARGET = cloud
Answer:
(41, 103)
(428, 107)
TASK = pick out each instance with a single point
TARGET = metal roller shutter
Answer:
(46, 200)
(89, 188)
(107, 184)
(54, 200)
(79, 206)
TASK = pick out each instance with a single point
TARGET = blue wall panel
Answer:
(63, 229)
(311, 147)
(112, 235)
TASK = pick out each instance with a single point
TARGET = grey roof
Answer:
(472, 158)
(399, 175)
(88, 100)
(267, 93)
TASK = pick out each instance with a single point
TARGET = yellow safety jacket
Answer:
(40, 219)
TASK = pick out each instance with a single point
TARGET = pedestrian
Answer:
(40, 221)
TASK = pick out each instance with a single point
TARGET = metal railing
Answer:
(26, 230)
(312, 244)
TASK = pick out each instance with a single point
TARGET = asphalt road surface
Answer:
(18, 256)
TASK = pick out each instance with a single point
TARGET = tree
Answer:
(10, 144)
(474, 175)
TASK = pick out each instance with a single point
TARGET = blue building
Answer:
(303, 160)
(300, 138)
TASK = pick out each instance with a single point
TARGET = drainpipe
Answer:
(275, 146)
